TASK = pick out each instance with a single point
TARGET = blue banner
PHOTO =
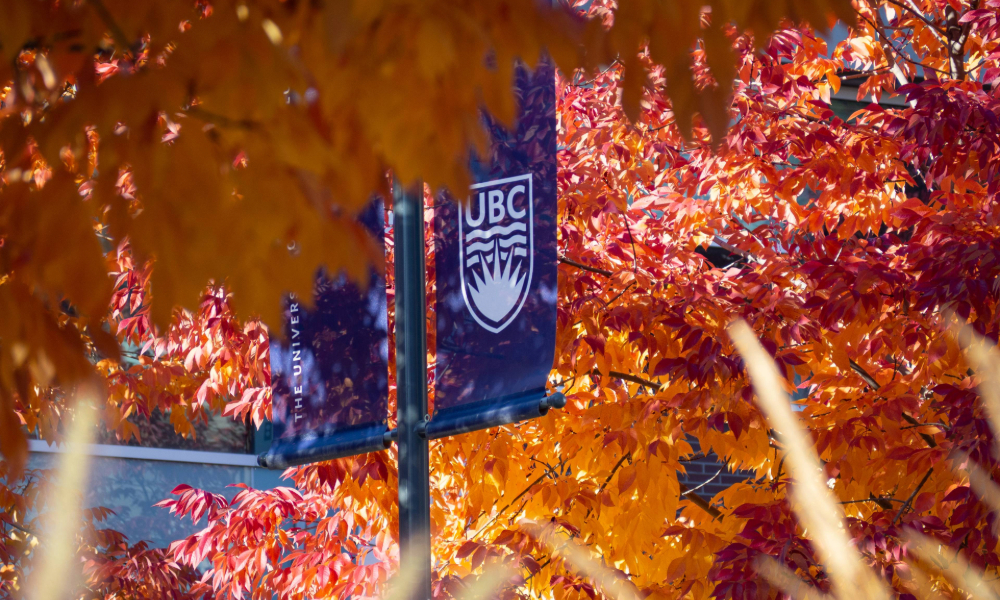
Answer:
(330, 373)
(496, 273)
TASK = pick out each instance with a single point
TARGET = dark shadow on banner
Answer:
(330, 375)
(496, 265)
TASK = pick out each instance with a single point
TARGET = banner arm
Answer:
(284, 454)
(482, 416)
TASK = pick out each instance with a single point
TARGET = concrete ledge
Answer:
(161, 454)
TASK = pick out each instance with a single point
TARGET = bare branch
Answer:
(501, 511)
(700, 502)
(619, 294)
(892, 53)
(627, 456)
(875, 386)
(703, 483)
(573, 263)
(865, 74)
(888, 48)
(21, 529)
(913, 9)
(941, 425)
(864, 375)
(880, 501)
(222, 120)
(635, 379)
(909, 500)
(109, 21)
(926, 437)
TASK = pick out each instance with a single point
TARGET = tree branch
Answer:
(619, 294)
(614, 469)
(734, 250)
(21, 529)
(915, 11)
(587, 82)
(909, 500)
(941, 425)
(883, 502)
(686, 493)
(875, 386)
(703, 483)
(222, 120)
(109, 21)
(523, 492)
(628, 377)
(573, 263)
(627, 456)
(511, 503)
(696, 456)
(636, 379)
(540, 567)
(888, 48)
(926, 436)
(635, 257)
(864, 375)
(700, 502)
(958, 34)
(864, 74)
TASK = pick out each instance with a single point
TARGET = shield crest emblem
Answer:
(496, 249)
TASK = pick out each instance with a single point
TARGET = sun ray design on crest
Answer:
(495, 293)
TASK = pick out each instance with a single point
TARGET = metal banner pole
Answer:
(411, 390)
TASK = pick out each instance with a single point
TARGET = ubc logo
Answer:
(496, 246)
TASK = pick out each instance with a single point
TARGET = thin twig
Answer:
(614, 469)
(695, 456)
(109, 21)
(875, 500)
(540, 567)
(864, 74)
(222, 120)
(22, 529)
(875, 386)
(916, 12)
(926, 437)
(548, 468)
(633, 378)
(978, 64)
(619, 294)
(511, 503)
(702, 484)
(887, 45)
(573, 263)
(909, 500)
(587, 82)
(627, 456)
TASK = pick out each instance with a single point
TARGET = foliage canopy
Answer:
(839, 238)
